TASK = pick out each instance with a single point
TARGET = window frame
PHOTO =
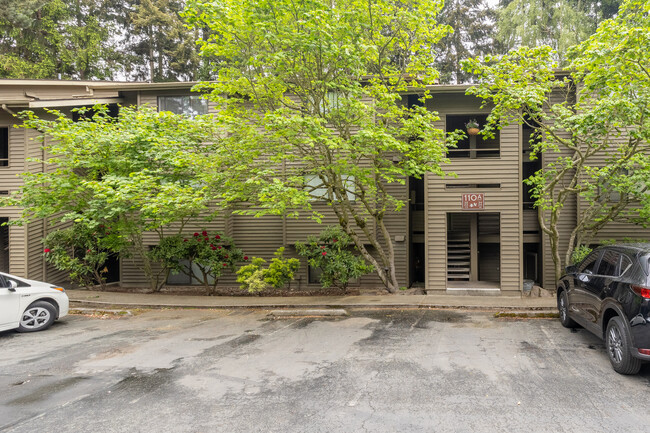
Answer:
(204, 103)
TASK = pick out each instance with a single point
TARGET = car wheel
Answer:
(38, 316)
(618, 344)
(563, 308)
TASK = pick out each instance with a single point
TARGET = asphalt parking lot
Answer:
(382, 370)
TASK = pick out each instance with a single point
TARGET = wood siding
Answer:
(505, 200)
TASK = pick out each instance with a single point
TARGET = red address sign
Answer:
(473, 201)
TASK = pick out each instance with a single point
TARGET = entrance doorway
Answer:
(473, 250)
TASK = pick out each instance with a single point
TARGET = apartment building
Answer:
(474, 233)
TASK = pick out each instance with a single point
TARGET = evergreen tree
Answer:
(473, 24)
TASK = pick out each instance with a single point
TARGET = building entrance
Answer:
(473, 250)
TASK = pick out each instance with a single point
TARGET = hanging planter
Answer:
(472, 127)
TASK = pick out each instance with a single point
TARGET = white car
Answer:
(29, 305)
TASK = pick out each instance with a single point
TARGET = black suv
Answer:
(609, 295)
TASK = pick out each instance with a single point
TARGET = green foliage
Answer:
(82, 251)
(140, 171)
(594, 131)
(473, 23)
(202, 256)
(332, 253)
(42, 39)
(296, 81)
(580, 253)
(255, 278)
(560, 24)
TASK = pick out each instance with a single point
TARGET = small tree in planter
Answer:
(202, 256)
(255, 278)
(82, 251)
(332, 254)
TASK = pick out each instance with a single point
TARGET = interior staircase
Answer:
(458, 256)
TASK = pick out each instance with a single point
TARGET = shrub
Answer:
(82, 251)
(580, 253)
(255, 278)
(332, 253)
(202, 256)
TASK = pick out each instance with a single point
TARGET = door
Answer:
(600, 285)
(9, 306)
(579, 294)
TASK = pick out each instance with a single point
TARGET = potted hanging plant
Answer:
(472, 127)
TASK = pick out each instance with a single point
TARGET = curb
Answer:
(277, 306)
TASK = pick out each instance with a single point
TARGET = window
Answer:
(329, 103)
(588, 265)
(608, 264)
(472, 146)
(190, 105)
(318, 191)
(4, 147)
(183, 279)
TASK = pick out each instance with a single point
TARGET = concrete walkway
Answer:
(135, 300)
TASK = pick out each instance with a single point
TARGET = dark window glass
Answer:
(314, 274)
(4, 147)
(588, 265)
(626, 263)
(608, 263)
(190, 105)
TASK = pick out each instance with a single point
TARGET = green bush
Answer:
(580, 253)
(332, 253)
(255, 278)
(202, 256)
(82, 251)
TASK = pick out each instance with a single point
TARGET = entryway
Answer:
(473, 251)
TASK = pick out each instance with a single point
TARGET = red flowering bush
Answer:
(203, 259)
(331, 252)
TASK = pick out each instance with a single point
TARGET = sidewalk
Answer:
(135, 300)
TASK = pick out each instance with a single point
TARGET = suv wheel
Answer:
(617, 341)
(563, 308)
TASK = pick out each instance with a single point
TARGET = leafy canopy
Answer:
(311, 96)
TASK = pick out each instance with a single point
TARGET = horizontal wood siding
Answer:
(505, 200)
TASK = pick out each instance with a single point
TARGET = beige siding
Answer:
(505, 200)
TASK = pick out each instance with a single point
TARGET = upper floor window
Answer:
(189, 105)
(472, 146)
(4, 147)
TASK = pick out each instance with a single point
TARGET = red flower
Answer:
(206, 239)
(46, 250)
(245, 257)
(217, 237)
(87, 251)
(226, 256)
(184, 240)
(204, 233)
(324, 253)
(333, 240)
(196, 234)
(322, 248)
(213, 247)
(219, 247)
(225, 264)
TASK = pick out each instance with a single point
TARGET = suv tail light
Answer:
(642, 291)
